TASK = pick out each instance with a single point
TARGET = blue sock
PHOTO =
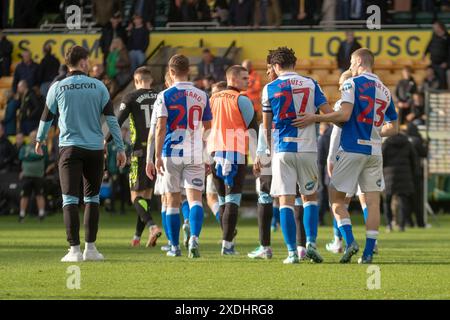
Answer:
(287, 222)
(371, 239)
(196, 218)
(365, 214)
(185, 210)
(336, 231)
(345, 226)
(218, 217)
(276, 216)
(173, 225)
(311, 220)
(164, 221)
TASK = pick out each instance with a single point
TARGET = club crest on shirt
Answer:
(310, 185)
(122, 106)
(197, 182)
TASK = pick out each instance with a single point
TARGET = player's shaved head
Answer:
(366, 56)
(179, 65)
(235, 71)
(144, 74)
(237, 76)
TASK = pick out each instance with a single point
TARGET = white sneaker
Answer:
(72, 257)
(291, 259)
(334, 246)
(92, 255)
(301, 251)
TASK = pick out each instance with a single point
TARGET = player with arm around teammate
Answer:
(368, 113)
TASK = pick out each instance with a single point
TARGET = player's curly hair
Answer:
(269, 56)
(283, 56)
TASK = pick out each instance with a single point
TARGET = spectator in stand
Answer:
(404, 91)
(242, 13)
(6, 49)
(98, 72)
(426, 6)
(328, 12)
(261, 13)
(6, 151)
(31, 108)
(198, 82)
(175, 11)
(16, 165)
(113, 29)
(254, 87)
(212, 65)
(220, 12)
(417, 113)
(119, 177)
(304, 10)
(346, 48)
(195, 11)
(439, 50)
(430, 81)
(48, 70)
(118, 64)
(10, 120)
(32, 175)
(138, 41)
(26, 70)
(62, 73)
(103, 10)
(421, 149)
(399, 169)
(147, 10)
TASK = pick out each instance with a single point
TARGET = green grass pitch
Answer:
(413, 265)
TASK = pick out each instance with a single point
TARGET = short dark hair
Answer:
(235, 70)
(221, 85)
(283, 56)
(209, 77)
(144, 72)
(75, 54)
(269, 56)
(179, 64)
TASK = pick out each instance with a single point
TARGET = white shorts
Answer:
(353, 170)
(356, 192)
(290, 169)
(210, 186)
(181, 174)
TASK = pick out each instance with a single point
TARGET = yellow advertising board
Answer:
(307, 44)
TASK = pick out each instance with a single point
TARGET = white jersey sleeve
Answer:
(335, 141)
(348, 91)
(160, 109)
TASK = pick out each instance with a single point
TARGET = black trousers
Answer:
(405, 209)
(120, 185)
(76, 165)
